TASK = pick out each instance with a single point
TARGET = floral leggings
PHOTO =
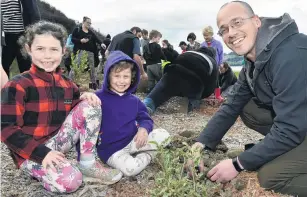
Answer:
(82, 123)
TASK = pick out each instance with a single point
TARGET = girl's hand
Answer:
(53, 157)
(141, 138)
(91, 98)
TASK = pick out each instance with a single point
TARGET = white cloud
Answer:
(173, 18)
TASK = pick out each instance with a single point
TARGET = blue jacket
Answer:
(121, 115)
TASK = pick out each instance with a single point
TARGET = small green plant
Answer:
(78, 66)
(173, 180)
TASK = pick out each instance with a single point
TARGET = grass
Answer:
(14, 70)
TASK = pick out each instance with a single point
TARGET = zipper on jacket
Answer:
(55, 95)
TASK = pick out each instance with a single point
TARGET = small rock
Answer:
(187, 134)
(239, 184)
(222, 147)
(132, 178)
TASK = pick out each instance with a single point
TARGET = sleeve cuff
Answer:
(148, 128)
(40, 153)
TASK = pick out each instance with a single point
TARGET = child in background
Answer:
(126, 126)
(42, 118)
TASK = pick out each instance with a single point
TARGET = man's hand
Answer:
(223, 172)
(84, 40)
(91, 98)
(141, 138)
(53, 157)
(144, 76)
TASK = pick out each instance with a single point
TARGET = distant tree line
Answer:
(50, 13)
(233, 59)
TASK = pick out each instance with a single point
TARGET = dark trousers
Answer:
(11, 51)
(287, 173)
(170, 85)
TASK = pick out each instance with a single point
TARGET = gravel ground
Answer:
(16, 184)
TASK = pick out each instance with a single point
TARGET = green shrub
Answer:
(172, 180)
(78, 69)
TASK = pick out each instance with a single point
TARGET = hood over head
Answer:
(114, 58)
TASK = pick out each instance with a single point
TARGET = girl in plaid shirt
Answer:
(42, 118)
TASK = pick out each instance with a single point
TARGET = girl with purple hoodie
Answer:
(126, 126)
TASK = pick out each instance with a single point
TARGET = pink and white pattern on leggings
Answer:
(83, 123)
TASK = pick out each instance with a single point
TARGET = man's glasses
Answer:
(234, 23)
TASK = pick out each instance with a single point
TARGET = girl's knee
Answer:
(86, 106)
(134, 167)
(131, 171)
(161, 136)
(67, 181)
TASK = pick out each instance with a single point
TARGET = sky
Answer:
(175, 19)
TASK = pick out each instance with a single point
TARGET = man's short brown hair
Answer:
(154, 34)
(144, 32)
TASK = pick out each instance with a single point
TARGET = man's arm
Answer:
(290, 103)
(12, 112)
(97, 40)
(225, 117)
(136, 54)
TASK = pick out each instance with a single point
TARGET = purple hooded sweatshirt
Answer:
(121, 115)
(217, 45)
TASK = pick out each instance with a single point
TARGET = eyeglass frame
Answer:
(232, 26)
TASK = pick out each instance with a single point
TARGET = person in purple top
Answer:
(126, 127)
(217, 45)
(211, 42)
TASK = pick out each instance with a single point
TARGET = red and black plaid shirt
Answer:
(34, 106)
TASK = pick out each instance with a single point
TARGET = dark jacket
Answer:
(123, 42)
(195, 70)
(227, 79)
(91, 46)
(170, 54)
(25, 124)
(279, 82)
(30, 12)
(153, 53)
